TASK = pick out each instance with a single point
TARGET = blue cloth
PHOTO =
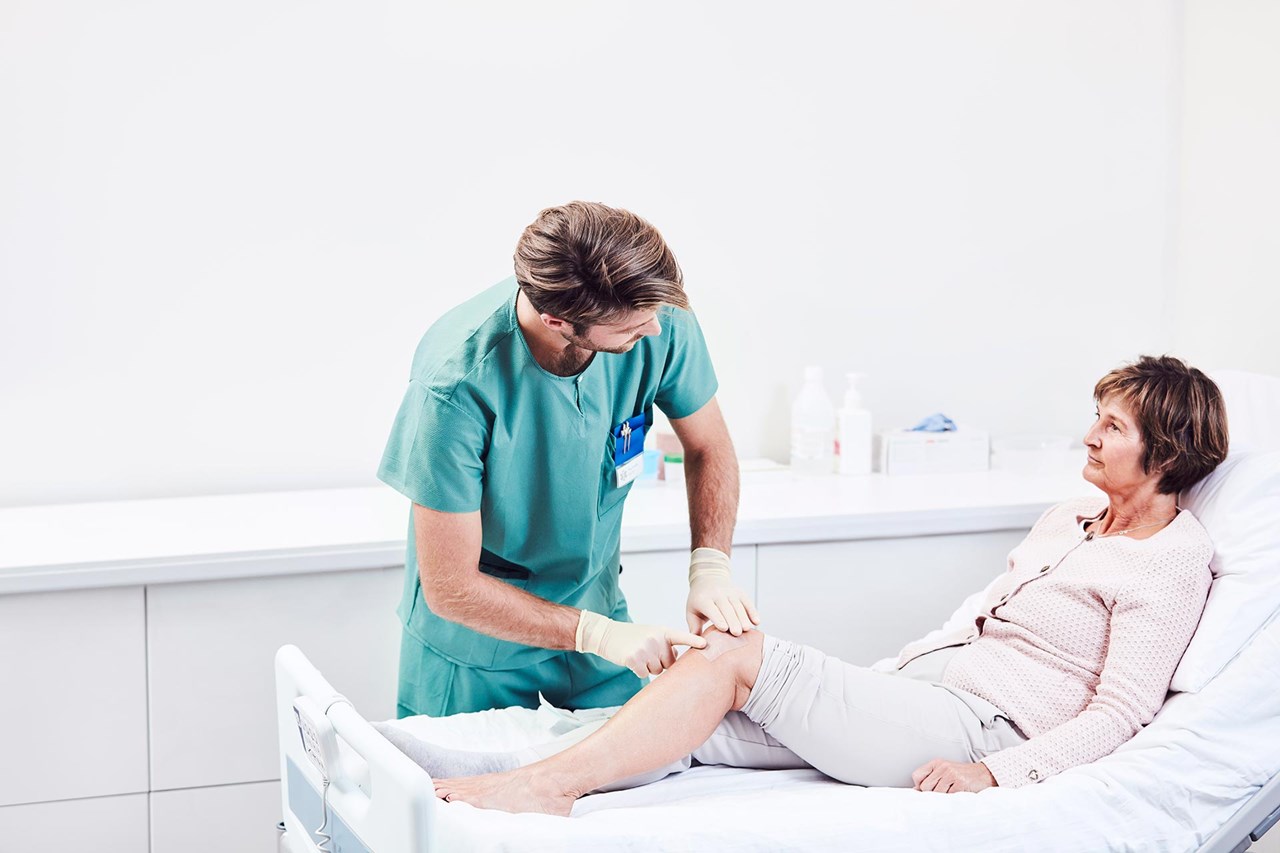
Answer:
(935, 423)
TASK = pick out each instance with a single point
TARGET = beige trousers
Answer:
(871, 728)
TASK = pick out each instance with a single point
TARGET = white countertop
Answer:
(72, 546)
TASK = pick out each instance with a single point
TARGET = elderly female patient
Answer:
(1071, 655)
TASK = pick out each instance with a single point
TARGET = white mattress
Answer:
(1168, 789)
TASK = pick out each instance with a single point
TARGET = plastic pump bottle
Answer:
(813, 423)
(853, 432)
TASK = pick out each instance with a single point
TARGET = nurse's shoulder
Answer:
(462, 339)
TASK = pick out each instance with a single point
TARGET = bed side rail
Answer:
(377, 798)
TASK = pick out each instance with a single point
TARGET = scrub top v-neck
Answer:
(484, 427)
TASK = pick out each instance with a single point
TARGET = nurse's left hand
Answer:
(948, 777)
(714, 597)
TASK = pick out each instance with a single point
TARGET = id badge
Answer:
(628, 471)
(628, 449)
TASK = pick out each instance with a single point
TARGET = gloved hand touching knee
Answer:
(643, 649)
(714, 597)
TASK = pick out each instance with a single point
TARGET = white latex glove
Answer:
(713, 596)
(643, 649)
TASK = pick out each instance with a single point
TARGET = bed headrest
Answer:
(1239, 505)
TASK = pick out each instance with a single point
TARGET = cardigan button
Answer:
(1044, 569)
(1034, 775)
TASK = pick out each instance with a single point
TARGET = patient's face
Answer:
(1115, 449)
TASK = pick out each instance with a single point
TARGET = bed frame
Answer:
(381, 802)
(1250, 823)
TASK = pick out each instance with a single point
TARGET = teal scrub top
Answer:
(484, 427)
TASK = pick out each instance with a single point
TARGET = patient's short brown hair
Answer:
(1180, 412)
(588, 263)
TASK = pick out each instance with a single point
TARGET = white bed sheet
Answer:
(1168, 789)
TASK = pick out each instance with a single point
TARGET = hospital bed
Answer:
(1203, 776)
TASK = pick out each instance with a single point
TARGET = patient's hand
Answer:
(948, 777)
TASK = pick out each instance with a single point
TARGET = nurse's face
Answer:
(616, 337)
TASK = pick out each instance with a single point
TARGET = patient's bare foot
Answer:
(523, 790)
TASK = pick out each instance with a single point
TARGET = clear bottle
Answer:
(853, 432)
(813, 426)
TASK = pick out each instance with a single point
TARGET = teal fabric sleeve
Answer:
(435, 455)
(688, 378)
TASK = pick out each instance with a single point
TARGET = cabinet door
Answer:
(73, 683)
(864, 600)
(100, 824)
(242, 818)
(211, 652)
(657, 583)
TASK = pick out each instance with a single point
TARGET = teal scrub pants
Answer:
(436, 686)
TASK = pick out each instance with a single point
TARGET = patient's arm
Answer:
(666, 721)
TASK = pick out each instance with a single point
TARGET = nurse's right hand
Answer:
(643, 649)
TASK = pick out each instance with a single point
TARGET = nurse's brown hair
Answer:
(1180, 413)
(588, 263)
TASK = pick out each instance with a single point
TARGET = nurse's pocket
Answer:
(611, 494)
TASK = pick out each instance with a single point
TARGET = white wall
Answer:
(1228, 288)
(223, 227)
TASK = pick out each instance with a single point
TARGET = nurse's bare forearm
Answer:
(500, 610)
(448, 547)
(712, 482)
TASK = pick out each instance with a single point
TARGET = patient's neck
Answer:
(1146, 509)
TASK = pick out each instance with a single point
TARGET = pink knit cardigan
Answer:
(1078, 641)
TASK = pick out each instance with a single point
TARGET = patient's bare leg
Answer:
(662, 723)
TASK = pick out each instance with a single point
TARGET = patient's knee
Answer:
(742, 654)
(739, 657)
(721, 642)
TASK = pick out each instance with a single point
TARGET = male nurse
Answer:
(524, 425)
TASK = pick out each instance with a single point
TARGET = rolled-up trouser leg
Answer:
(856, 725)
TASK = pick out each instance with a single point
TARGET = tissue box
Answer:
(903, 451)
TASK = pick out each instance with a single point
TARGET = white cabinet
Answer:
(657, 583)
(863, 600)
(242, 818)
(100, 824)
(211, 649)
(72, 695)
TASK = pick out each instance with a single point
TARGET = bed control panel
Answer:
(318, 738)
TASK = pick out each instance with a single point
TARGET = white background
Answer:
(224, 226)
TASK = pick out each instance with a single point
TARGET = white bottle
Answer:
(853, 432)
(813, 426)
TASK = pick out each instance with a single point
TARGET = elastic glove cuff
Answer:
(707, 563)
(590, 634)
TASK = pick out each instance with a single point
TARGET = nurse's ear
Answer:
(554, 323)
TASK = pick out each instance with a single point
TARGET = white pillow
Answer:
(1239, 504)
